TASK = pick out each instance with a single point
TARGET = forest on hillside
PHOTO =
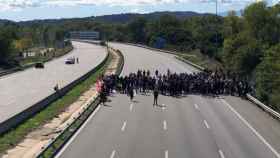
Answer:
(247, 45)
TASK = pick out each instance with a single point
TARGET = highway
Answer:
(190, 127)
(23, 89)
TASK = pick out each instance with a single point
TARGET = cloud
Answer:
(21, 4)
(111, 2)
(18, 4)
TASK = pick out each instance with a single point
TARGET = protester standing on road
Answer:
(103, 94)
(131, 92)
(156, 96)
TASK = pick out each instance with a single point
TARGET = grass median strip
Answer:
(17, 134)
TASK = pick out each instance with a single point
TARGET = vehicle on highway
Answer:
(39, 65)
(70, 61)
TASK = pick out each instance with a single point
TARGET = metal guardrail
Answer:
(190, 63)
(57, 143)
(264, 107)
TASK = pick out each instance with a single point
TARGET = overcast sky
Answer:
(19, 10)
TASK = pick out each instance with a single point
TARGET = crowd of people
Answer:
(176, 84)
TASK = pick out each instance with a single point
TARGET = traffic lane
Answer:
(137, 130)
(265, 124)
(173, 129)
(188, 135)
(21, 90)
(143, 135)
(100, 134)
(232, 135)
(140, 58)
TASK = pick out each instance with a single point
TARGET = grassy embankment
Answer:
(200, 59)
(16, 135)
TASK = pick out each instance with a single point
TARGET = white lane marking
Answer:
(221, 154)
(163, 107)
(252, 128)
(77, 133)
(166, 154)
(164, 125)
(123, 126)
(206, 124)
(113, 154)
(196, 106)
(131, 107)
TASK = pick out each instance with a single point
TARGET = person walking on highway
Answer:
(77, 60)
(131, 93)
(156, 93)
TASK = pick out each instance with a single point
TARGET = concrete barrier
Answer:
(31, 111)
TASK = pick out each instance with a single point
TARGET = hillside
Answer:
(124, 18)
(115, 18)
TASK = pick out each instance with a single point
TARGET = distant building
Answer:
(90, 35)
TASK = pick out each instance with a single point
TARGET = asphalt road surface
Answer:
(193, 126)
(23, 89)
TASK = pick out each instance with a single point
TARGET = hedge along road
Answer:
(193, 126)
(23, 89)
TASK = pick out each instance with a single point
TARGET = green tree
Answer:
(137, 30)
(232, 25)
(7, 36)
(268, 77)
(241, 54)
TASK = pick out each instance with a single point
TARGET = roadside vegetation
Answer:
(17, 134)
(20, 44)
(53, 54)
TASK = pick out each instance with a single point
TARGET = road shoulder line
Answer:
(251, 128)
(77, 133)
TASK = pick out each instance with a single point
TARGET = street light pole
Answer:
(217, 26)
